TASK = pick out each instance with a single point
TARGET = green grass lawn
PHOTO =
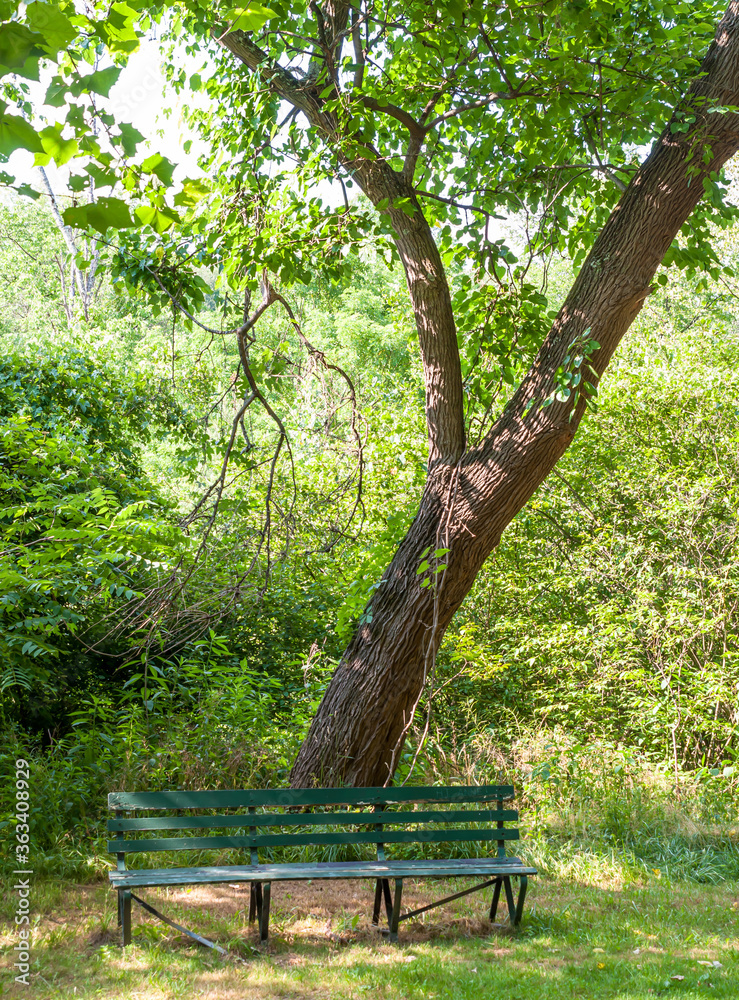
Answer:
(620, 941)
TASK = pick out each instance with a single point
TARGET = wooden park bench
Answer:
(270, 820)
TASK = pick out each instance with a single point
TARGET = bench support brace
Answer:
(394, 916)
(447, 899)
(126, 922)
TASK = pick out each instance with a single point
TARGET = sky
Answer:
(139, 98)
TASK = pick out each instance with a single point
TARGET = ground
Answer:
(622, 942)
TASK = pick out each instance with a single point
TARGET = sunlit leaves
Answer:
(55, 147)
(101, 215)
(250, 18)
(54, 27)
(17, 44)
(191, 193)
(56, 94)
(130, 137)
(99, 82)
(117, 28)
(16, 133)
(77, 528)
(160, 219)
(160, 166)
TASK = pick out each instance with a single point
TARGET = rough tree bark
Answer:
(472, 495)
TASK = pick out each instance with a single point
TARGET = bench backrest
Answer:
(286, 817)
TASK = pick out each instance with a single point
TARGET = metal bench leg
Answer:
(394, 916)
(378, 902)
(258, 901)
(252, 901)
(264, 915)
(124, 915)
(509, 899)
(523, 884)
(388, 901)
(496, 899)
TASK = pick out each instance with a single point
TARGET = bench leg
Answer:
(378, 902)
(388, 900)
(257, 887)
(509, 899)
(264, 915)
(394, 915)
(392, 905)
(496, 899)
(124, 915)
(515, 909)
(523, 885)
(252, 901)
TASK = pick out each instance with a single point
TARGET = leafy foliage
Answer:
(81, 525)
(615, 603)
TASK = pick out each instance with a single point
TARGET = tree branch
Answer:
(509, 95)
(416, 246)
(284, 84)
(358, 50)
(457, 204)
(416, 130)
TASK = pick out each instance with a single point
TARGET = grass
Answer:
(620, 940)
(638, 886)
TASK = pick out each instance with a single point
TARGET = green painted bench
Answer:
(264, 819)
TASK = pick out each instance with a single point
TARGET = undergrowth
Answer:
(590, 811)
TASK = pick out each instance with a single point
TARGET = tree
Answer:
(473, 493)
(442, 115)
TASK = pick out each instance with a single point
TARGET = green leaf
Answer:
(16, 133)
(118, 30)
(105, 213)
(17, 44)
(160, 166)
(192, 192)
(56, 94)
(159, 219)
(99, 82)
(130, 138)
(251, 18)
(61, 150)
(103, 176)
(54, 27)
(28, 192)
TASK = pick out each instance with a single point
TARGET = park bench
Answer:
(345, 819)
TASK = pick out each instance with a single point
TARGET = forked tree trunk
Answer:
(471, 496)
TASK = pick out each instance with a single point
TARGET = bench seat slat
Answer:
(389, 818)
(295, 797)
(331, 870)
(304, 840)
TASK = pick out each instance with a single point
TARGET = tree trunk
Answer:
(471, 497)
